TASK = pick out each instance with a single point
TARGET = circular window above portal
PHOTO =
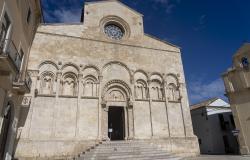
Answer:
(114, 31)
(114, 28)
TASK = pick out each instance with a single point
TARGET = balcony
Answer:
(23, 85)
(10, 59)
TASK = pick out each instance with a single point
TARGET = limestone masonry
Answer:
(104, 79)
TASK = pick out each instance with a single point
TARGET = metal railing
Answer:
(8, 48)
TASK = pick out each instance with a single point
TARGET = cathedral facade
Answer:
(103, 79)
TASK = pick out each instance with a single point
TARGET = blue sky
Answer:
(208, 31)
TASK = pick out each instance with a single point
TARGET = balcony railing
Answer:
(28, 82)
(9, 50)
(23, 84)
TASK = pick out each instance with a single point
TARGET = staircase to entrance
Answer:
(126, 150)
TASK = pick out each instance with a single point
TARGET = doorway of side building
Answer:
(5, 129)
(116, 125)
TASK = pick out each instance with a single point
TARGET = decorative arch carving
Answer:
(141, 89)
(116, 90)
(72, 65)
(172, 78)
(130, 78)
(69, 84)
(91, 70)
(156, 89)
(140, 71)
(90, 86)
(47, 81)
(156, 75)
(48, 62)
(173, 92)
(173, 88)
(94, 67)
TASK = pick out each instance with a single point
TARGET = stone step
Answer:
(131, 158)
(126, 150)
(125, 153)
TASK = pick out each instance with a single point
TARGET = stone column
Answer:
(34, 91)
(187, 121)
(165, 89)
(100, 109)
(130, 120)
(126, 119)
(130, 110)
(104, 120)
(150, 110)
(57, 83)
(79, 94)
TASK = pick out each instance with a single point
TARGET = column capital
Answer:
(130, 104)
(100, 77)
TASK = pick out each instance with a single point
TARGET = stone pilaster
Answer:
(100, 109)
(150, 109)
(130, 120)
(165, 89)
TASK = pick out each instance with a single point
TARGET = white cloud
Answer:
(169, 5)
(63, 15)
(199, 90)
(201, 23)
(68, 15)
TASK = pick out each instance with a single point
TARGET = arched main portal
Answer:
(117, 114)
(5, 129)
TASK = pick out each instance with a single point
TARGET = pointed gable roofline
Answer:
(203, 103)
(105, 1)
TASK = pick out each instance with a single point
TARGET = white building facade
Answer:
(213, 124)
(18, 23)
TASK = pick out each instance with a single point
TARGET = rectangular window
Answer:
(28, 16)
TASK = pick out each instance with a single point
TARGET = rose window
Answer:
(114, 32)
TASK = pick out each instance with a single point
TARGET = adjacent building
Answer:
(237, 84)
(18, 23)
(213, 124)
(104, 79)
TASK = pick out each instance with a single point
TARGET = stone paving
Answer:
(221, 157)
